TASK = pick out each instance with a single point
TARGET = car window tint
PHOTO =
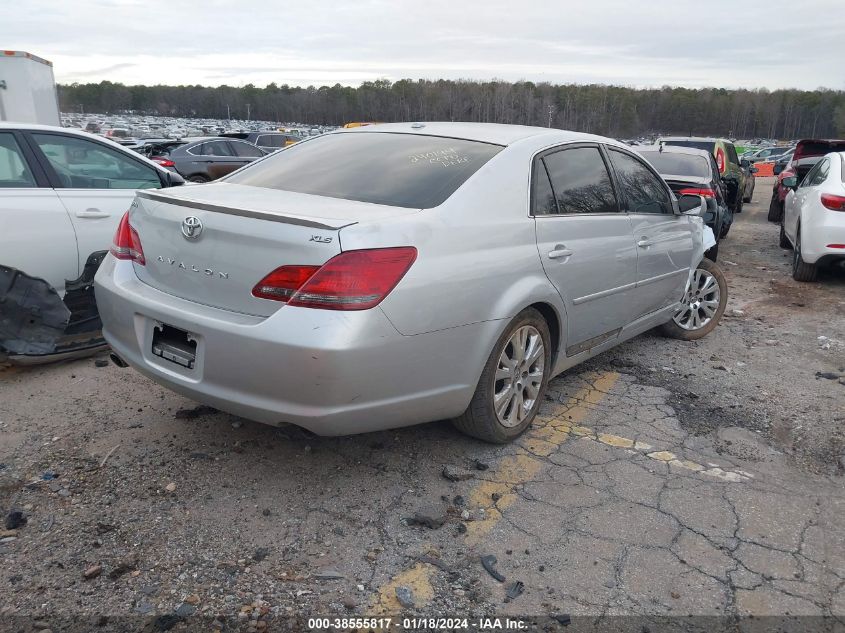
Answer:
(644, 191)
(404, 170)
(14, 172)
(732, 157)
(668, 163)
(818, 174)
(581, 181)
(543, 198)
(215, 148)
(271, 140)
(246, 150)
(83, 164)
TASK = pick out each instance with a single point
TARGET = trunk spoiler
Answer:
(246, 213)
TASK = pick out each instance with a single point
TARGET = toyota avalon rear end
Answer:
(264, 300)
(399, 274)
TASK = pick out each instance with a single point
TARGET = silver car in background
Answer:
(397, 274)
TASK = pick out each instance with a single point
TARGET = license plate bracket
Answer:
(174, 345)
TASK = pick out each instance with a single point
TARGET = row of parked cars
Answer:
(808, 201)
(364, 279)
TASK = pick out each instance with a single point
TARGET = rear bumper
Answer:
(333, 373)
(817, 235)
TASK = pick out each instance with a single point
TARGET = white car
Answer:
(62, 194)
(813, 222)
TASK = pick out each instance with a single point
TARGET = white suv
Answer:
(62, 194)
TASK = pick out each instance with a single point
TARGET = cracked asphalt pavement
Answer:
(662, 478)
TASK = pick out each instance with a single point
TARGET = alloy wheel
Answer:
(700, 302)
(519, 376)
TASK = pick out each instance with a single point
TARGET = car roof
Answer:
(33, 127)
(709, 139)
(495, 133)
(675, 149)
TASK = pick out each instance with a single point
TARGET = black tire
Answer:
(783, 241)
(775, 210)
(673, 330)
(480, 419)
(750, 195)
(801, 270)
(738, 205)
(198, 178)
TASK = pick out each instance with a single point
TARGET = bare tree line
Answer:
(609, 110)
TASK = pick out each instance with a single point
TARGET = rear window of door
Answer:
(213, 148)
(246, 150)
(83, 164)
(642, 189)
(403, 170)
(14, 171)
(579, 183)
(732, 157)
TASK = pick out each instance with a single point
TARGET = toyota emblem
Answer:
(191, 227)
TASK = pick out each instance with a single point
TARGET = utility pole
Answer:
(247, 112)
(551, 111)
(228, 113)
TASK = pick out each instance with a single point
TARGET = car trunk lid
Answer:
(213, 243)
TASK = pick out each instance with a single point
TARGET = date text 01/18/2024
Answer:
(416, 624)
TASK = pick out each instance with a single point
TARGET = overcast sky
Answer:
(724, 43)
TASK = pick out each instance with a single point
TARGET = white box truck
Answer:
(27, 89)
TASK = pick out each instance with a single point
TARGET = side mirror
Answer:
(689, 204)
(753, 170)
(174, 179)
(777, 168)
(790, 182)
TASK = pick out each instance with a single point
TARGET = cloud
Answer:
(675, 42)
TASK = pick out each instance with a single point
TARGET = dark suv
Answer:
(730, 169)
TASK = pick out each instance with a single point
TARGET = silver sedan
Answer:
(403, 273)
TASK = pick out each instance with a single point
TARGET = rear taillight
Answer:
(127, 244)
(833, 202)
(720, 160)
(164, 162)
(354, 280)
(707, 193)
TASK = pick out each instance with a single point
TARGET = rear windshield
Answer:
(706, 145)
(668, 164)
(817, 148)
(403, 170)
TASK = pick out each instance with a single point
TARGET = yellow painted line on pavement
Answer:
(552, 427)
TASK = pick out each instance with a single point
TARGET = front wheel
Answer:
(702, 306)
(513, 382)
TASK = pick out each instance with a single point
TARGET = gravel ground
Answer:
(663, 479)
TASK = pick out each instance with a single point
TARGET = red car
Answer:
(807, 153)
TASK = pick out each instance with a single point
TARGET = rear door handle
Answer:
(559, 252)
(644, 243)
(92, 214)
